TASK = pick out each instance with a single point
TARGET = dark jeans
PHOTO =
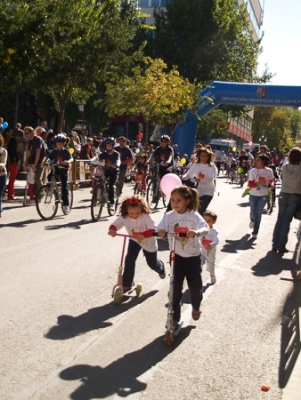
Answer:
(3, 179)
(120, 181)
(188, 268)
(204, 203)
(113, 177)
(130, 262)
(287, 206)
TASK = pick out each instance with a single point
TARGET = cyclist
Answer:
(111, 159)
(63, 158)
(126, 158)
(164, 155)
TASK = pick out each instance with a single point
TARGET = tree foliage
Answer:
(280, 126)
(64, 47)
(160, 96)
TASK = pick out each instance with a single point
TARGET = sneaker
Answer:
(213, 279)
(196, 314)
(254, 236)
(283, 250)
(163, 273)
(31, 201)
(251, 225)
(112, 206)
(175, 324)
(66, 210)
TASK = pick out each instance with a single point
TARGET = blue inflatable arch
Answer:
(248, 94)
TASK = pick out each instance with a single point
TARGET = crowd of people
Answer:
(188, 210)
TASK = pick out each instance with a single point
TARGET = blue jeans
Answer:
(287, 206)
(2, 188)
(257, 204)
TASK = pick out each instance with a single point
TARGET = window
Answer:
(143, 3)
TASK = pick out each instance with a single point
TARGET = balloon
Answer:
(140, 135)
(240, 170)
(250, 143)
(137, 151)
(4, 125)
(234, 148)
(169, 182)
(71, 151)
(183, 161)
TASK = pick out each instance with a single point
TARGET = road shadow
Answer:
(71, 225)
(234, 246)
(69, 326)
(273, 264)
(19, 224)
(121, 376)
(290, 334)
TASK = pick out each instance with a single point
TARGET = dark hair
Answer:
(264, 158)
(294, 156)
(188, 194)
(211, 214)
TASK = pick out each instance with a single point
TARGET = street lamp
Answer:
(262, 139)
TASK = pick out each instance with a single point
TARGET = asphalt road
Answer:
(62, 337)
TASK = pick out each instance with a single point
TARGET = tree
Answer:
(275, 125)
(67, 47)
(161, 97)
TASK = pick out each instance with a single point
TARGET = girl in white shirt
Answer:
(134, 216)
(204, 173)
(184, 218)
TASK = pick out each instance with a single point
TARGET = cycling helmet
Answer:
(165, 137)
(60, 138)
(110, 140)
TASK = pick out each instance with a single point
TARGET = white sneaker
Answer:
(66, 209)
(112, 206)
(251, 225)
(254, 236)
(213, 279)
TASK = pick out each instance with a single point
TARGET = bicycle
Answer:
(50, 196)
(153, 192)
(140, 184)
(100, 195)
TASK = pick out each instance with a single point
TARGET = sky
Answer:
(282, 41)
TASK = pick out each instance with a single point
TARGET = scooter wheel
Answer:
(117, 296)
(138, 290)
(168, 338)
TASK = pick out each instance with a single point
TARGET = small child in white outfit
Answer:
(209, 243)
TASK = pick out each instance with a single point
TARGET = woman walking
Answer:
(289, 197)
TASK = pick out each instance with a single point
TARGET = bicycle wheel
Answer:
(136, 189)
(47, 202)
(96, 204)
(152, 195)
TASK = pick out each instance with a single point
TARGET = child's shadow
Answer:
(68, 326)
(233, 246)
(121, 376)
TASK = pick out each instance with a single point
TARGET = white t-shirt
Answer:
(206, 185)
(263, 176)
(193, 221)
(210, 253)
(141, 224)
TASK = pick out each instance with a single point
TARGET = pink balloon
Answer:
(250, 143)
(169, 182)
